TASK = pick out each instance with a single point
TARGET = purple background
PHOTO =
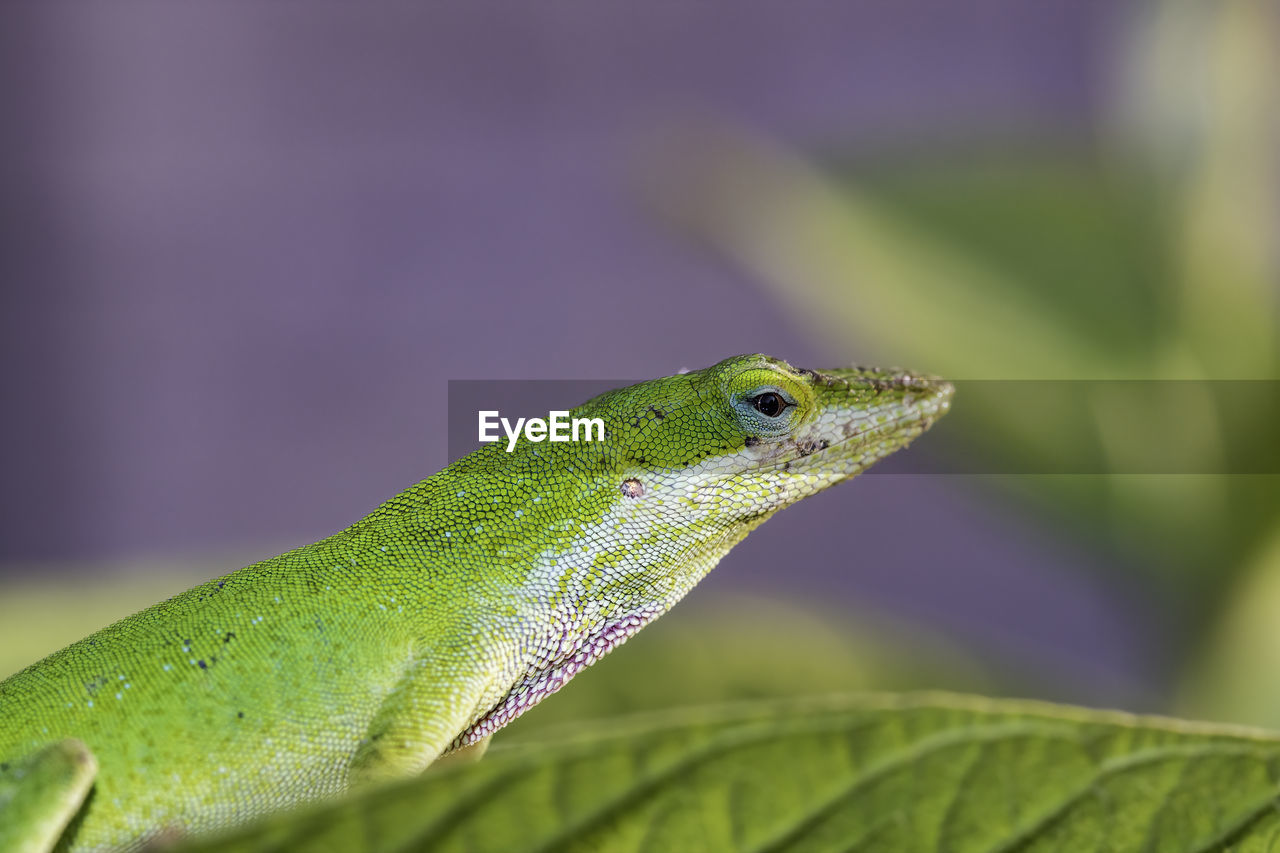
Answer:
(245, 245)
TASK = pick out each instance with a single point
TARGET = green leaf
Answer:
(880, 773)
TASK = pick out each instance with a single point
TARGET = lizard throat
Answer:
(551, 671)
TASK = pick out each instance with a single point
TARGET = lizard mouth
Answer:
(906, 419)
(551, 671)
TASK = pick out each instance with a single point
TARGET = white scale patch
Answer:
(549, 677)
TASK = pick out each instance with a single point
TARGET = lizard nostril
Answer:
(632, 488)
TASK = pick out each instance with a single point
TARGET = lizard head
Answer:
(752, 434)
(697, 460)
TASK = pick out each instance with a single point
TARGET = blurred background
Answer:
(246, 246)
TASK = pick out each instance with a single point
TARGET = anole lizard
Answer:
(435, 620)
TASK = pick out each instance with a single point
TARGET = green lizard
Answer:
(435, 620)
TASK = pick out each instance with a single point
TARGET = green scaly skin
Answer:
(433, 621)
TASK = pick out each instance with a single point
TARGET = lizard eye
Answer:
(769, 404)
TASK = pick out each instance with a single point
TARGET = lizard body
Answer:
(433, 621)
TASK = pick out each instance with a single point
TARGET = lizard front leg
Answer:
(39, 795)
(436, 699)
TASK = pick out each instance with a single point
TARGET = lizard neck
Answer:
(589, 595)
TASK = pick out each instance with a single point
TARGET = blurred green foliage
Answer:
(1149, 253)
